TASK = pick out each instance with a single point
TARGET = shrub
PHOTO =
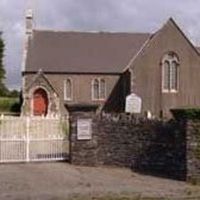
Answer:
(186, 113)
(9, 105)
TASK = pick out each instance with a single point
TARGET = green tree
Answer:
(13, 93)
(3, 89)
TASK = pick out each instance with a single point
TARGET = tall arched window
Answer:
(68, 89)
(98, 89)
(166, 75)
(102, 89)
(95, 89)
(170, 65)
(174, 75)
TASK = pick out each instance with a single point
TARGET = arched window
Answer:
(166, 75)
(102, 89)
(95, 89)
(98, 89)
(68, 89)
(174, 75)
(170, 63)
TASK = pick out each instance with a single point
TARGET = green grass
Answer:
(9, 105)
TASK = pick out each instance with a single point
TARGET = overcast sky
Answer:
(91, 15)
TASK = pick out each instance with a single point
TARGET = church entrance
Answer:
(40, 102)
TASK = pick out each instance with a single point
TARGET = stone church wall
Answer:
(193, 151)
(147, 146)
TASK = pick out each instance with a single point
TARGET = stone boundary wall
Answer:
(193, 151)
(147, 146)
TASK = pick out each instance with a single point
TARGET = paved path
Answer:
(54, 181)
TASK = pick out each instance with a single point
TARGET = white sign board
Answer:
(133, 104)
(84, 130)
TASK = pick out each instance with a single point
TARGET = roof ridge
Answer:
(79, 31)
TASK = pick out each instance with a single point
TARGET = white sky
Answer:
(91, 15)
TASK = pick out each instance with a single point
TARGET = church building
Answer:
(66, 69)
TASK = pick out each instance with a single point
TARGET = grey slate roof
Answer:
(82, 52)
(198, 49)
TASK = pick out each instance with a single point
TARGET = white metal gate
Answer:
(24, 139)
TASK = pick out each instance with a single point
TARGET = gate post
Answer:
(83, 145)
(27, 138)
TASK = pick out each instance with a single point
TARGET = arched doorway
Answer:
(40, 102)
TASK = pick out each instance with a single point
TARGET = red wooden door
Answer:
(40, 102)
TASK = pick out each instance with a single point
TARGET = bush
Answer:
(8, 105)
(186, 113)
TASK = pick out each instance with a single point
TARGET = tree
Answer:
(3, 89)
(13, 93)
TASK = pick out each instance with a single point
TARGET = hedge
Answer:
(9, 105)
(186, 113)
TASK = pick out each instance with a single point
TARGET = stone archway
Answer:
(49, 97)
(40, 102)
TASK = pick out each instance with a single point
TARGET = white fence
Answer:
(33, 139)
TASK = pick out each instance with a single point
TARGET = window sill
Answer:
(98, 99)
(170, 91)
(68, 99)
